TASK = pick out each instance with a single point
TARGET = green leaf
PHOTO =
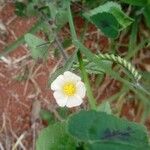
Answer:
(109, 18)
(30, 9)
(106, 132)
(20, 9)
(113, 146)
(147, 15)
(121, 17)
(34, 43)
(136, 2)
(102, 8)
(55, 137)
(63, 112)
(91, 67)
(105, 107)
(107, 23)
(53, 9)
(93, 4)
(61, 18)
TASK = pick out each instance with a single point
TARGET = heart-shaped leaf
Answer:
(55, 137)
(110, 18)
(99, 130)
(107, 23)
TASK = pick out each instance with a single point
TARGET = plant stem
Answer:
(90, 96)
(91, 99)
(71, 24)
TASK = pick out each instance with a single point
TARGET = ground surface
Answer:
(17, 98)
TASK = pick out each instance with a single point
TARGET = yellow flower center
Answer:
(69, 89)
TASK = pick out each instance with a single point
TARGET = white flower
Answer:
(68, 89)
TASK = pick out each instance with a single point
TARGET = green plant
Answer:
(96, 128)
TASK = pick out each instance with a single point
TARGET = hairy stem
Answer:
(91, 98)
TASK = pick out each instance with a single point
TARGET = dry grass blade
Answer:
(18, 141)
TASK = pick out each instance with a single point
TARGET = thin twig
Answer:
(2, 42)
(1, 147)
(15, 136)
(34, 135)
(18, 141)
(11, 20)
(56, 66)
(4, 123)
(61, 48)
(27, 82)
(21, 59)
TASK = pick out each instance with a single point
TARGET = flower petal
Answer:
(61, 99)
(74, 101)
(81, 90)
(57, 83)
(71, 76)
